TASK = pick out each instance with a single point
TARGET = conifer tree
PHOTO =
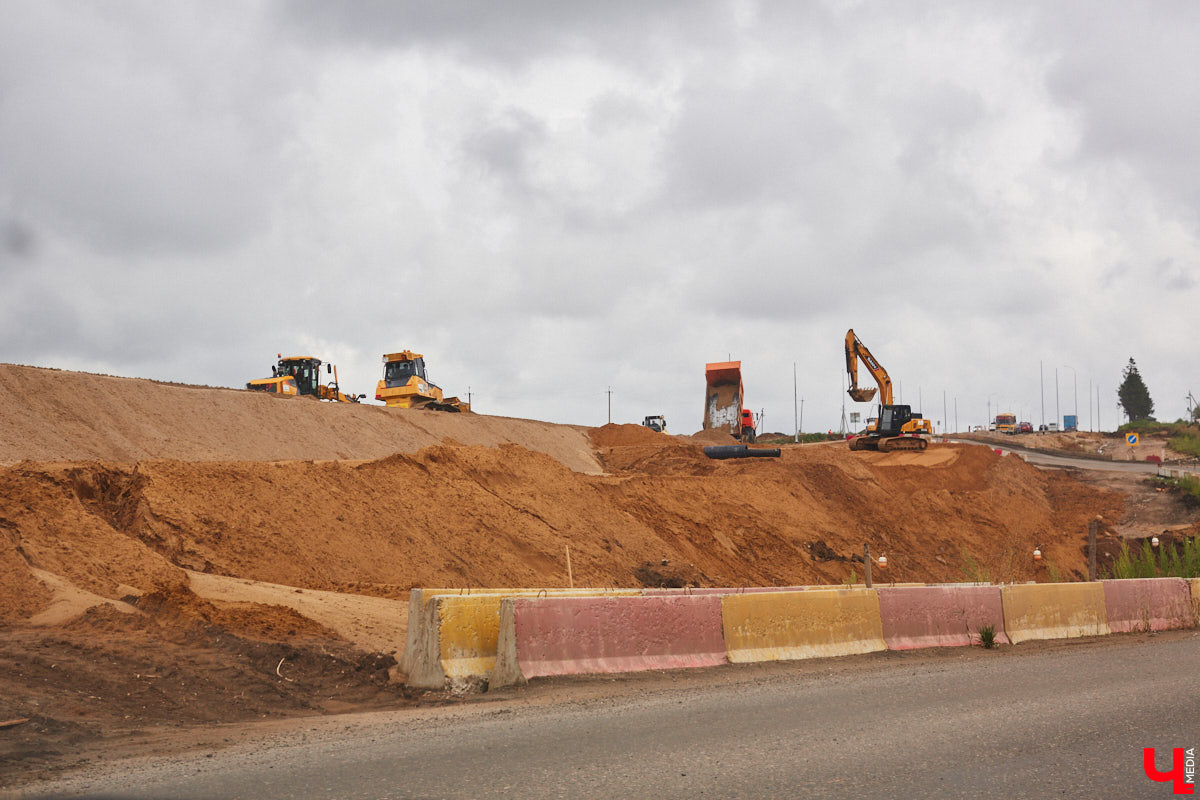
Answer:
(1133, 394)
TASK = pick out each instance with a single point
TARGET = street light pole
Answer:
(1057, 404)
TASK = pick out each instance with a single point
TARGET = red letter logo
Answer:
(1180, 785)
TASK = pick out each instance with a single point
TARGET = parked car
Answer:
(1025, 427)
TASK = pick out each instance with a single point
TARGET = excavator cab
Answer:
(892, 419)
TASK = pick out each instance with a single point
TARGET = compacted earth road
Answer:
(1041, 719)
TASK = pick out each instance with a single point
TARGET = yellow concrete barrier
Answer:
(419, 598)
(781, 626)
(1054, 611)
(454, 644)
(1195, 585)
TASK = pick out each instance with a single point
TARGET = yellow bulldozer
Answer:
(301, 375)
(405, 384)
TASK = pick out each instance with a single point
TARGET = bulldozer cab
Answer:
(398, 373)
(305, 371)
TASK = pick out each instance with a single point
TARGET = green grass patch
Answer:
(1165, 561)
(987, 636)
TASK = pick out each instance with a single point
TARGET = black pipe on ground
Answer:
(724, 451)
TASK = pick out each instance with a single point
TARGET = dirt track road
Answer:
(1043, 719)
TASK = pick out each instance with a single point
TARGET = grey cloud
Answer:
(1127, 71)
(515, 32)
(153, 132)
(504, 149)
(17, 239)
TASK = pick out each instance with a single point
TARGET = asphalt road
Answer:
(1062, 720)
(1052, 460)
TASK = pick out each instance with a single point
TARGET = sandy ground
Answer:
(374, 624)
(55, 415)
(179, 556)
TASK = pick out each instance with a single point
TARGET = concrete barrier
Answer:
(1147, 604)
(579, 636)
(1054, 611)
(779, 626)
(939, 616)
(452, 641)
(699, 591)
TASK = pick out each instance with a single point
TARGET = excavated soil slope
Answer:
(55, 415)
(114, 489)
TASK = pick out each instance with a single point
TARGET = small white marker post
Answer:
(570, 577)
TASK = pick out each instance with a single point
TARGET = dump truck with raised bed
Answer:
(723, 401)
(406, 384)
(301, 376)
(898, 426)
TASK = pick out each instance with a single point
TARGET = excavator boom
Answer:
(856, 350)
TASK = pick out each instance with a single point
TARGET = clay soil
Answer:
(179, 556)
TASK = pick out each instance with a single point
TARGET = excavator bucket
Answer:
(863, 395)
(723, 396)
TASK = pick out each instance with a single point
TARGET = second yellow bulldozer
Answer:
(405, 384)
(301, 375)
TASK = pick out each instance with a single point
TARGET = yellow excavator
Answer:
(897, 427)
(301, 375)
(406, 385)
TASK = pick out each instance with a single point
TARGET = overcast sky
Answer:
(549, 199)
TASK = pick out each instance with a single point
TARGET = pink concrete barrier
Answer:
(1147, 604)
(710, 590)
(939, 616)
(577, 636)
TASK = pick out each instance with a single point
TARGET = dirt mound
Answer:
(55, 415)
(477, 516)
(109, 675)
(614, 435)
(713, 436)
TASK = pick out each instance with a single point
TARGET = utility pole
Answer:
(468, 395)
(795, 404)
(609, 393)
(1057, 404)
(1090, 418)
(956, 415)
(945, 416)
(1042, 382)
(802, 414)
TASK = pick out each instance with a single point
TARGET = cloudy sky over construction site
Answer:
(553, 199)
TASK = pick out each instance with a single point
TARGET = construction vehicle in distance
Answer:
(898, 427)
(1006, 423)
(301, 376)
(655, 423)
(723, 401)
(406, 385)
